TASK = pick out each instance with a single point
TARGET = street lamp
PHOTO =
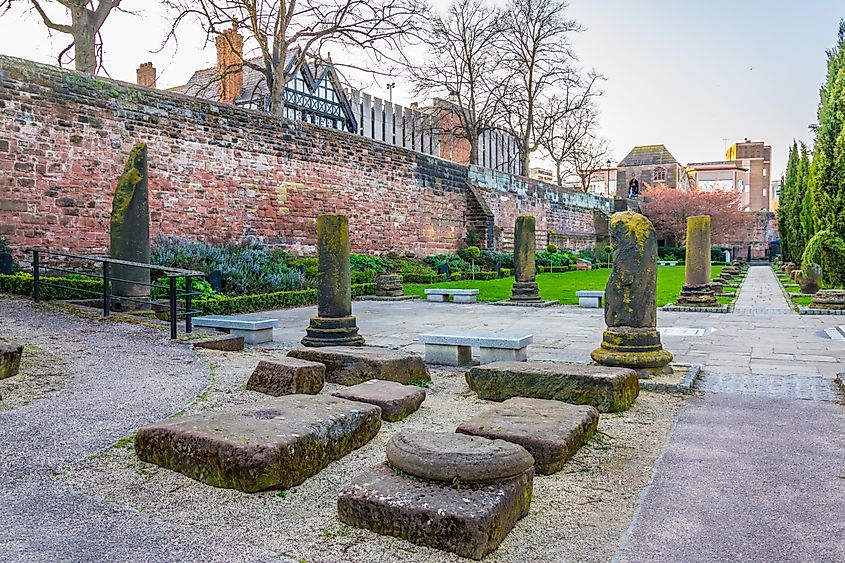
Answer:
(390, 87)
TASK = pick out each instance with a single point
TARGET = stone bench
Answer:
(667, 262)
(590, 299)
(457, 295)
(254, 330)
(456, 350)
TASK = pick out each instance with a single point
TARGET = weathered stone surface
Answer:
(225, 343)
(395, 400)
(275, 444)
(630, 311)
(796, 275)
(697, 291)
(524, 251)
(811, 280)
(469, 521)
(609, 389)
(833, 299)
(389, 285)
(450, 457)
(287, 376)
(353, 365)
(10, 359)
(551, 431)
(130, 226)
(334, 324)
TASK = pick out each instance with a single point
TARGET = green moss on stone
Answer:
(638, 225)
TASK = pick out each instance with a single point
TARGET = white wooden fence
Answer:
(421, 130)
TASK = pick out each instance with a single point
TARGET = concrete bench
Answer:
(456, 350)
(590, 299)
(457, 295)
(254, 331)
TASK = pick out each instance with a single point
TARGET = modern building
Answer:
(603, 182)
(542, 174)
(649, 165)
(723, 175)
(756, 157)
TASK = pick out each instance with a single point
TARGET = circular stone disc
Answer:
(447, 457)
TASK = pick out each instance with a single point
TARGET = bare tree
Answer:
(376, 27)
(537, 59)
(462, 66)
(86, 19)
(567, 119)
(588, 157)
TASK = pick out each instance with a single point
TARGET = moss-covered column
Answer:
(130, 226)
(697, 291)
(631, 338)
(334, 324)
(524, 250)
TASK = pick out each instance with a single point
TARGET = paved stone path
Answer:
(761, 294)
(753, 469)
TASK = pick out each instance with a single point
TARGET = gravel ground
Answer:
(588, 505)
(41, 373)
(115, 378)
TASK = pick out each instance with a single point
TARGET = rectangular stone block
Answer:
(468, 521)
(465, 298)
(490, 355)
(227, 343)
(351, 365)
(608, 389)
(275, 444)
(10, 359)
(287, 376)
(551, 431)
(395, 400)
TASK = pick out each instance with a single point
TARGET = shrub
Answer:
(366, 276)
(161, 291)
(506, 272)
(485, 276)
(22, 283)
(310, 266)
(246, 268)
(363, 263)
(555, 269)
(5, 248)
(560, 258)
(828, 251)
(671, 253)
(472, 238)
(412, 277)
(224, 305)
(551, 249)
(717, 255)
(456, 263)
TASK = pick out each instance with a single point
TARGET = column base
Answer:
(639, 349)
(341, 331)
(525, 292)
(697, 296)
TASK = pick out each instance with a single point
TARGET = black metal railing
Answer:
(179, 301)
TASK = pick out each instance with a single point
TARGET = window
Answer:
(764, 192)
(765, 172)
(659, 174)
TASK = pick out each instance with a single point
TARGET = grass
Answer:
(803, 301)
(562, 287)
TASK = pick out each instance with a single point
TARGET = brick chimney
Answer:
(147, 75)
(230, 48)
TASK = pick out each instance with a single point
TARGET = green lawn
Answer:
(562, 287)
(804, 301)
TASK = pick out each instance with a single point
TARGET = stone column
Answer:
(525, 270)
(631, 339)
(334, 324)
(697, 291)
(130, 226)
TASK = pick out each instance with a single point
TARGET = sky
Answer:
(693, 75)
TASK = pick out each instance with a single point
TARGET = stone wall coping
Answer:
(481, 340)
(222, 321)
(589, 293)
(451, 292)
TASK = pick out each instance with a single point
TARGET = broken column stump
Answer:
(524, 249)
(130, 227)
(334, 324)
(697, 290)
(631, 339)
(10, 359)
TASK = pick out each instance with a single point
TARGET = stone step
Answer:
(609, 389)
(275, 444)
(395, 400)
(551, 431)
(351, 365)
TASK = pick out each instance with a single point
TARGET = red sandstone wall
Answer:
(216, 172)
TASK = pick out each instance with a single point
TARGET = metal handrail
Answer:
(106, 262)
